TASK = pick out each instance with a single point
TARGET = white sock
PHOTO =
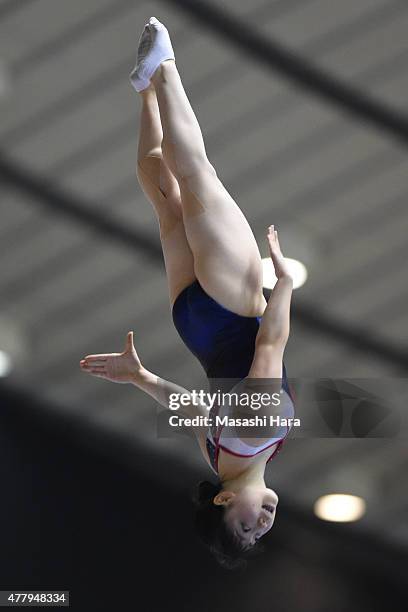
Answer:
(154, 47)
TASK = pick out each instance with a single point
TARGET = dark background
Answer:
(73, 518)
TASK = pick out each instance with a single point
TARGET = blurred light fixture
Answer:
(297, 271)
(15, 350)
(340, 508)
(5, 364)
(305, 246)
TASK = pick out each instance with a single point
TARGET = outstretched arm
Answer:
(161, 390)
(126, 367)
(274, 329)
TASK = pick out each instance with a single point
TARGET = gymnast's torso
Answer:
(224, 344)
(221, 340)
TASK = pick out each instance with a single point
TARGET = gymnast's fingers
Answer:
(93, 368)
(98, 374)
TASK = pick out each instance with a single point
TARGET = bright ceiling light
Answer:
(15, 350)
(297, 271)
(5, 364)
(340, 508)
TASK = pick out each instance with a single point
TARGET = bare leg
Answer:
(162, 189)
(227, 261)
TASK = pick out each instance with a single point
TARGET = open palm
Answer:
(116, 367)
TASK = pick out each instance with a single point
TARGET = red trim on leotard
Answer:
(218, 446)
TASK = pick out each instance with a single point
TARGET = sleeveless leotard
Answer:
(224, 344)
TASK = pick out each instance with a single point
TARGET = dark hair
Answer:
(212, 529)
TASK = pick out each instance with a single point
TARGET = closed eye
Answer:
(244, 528)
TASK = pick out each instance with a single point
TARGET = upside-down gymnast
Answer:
(215, 281)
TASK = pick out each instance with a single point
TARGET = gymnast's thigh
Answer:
(227, 261)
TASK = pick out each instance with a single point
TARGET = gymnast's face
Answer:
(249, 513)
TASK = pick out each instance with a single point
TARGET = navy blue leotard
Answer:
(222, 341)
(224, 344)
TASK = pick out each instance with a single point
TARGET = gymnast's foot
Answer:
(154, 48)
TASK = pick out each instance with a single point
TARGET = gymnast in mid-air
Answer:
(215, 280)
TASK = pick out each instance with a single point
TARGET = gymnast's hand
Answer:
(116, 367)
(278, 260)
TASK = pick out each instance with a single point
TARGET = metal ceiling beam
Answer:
(48, 195)
(357, 338)
(8, 7)
(280, 59)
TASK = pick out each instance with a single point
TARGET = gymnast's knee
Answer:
(186, 167)
(168, 222)
(148, 168)
(201, 166)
